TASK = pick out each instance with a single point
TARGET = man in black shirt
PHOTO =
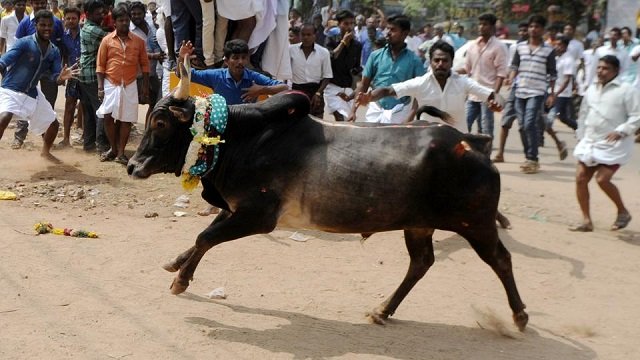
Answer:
(345, 63)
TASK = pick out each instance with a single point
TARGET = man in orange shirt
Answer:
(119, 56)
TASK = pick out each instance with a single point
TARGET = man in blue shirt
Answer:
(49, 88)
(392, 64)
(368, 43)
(71, 41)
(21, 68)
(458, 39)
(235, 83)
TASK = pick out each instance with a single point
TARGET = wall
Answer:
(622, 13)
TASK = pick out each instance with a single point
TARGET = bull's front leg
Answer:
(255, 217)
(420, 246)
(175, 265)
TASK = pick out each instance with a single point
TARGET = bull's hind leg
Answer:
(249, 220)
(492, 251)
(175, 265)
(420, 246)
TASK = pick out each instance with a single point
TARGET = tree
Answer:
(572, 11)
(417, 7)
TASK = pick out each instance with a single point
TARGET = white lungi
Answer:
(275, 59)
(593, 153)
(120, 101)
(238, 10)
(333, 103)
(37, 111)
(397, 115)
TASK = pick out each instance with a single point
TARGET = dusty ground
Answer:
(108, 298)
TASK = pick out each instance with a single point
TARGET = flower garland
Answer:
(45, 228)
(209, 123)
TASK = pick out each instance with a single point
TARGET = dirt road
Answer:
(108, 298)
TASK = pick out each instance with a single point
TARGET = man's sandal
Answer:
(563, 152)
(582, 228)
(107, 156)
(622, 220)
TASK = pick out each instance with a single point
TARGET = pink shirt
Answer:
(485, 62)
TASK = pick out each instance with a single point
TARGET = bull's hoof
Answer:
(171, 267)
(503, 221)
(377, 316)
(521, 319)
(178, 286)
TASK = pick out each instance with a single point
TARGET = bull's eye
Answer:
(160, 124)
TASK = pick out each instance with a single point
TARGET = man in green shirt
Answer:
(90, 37)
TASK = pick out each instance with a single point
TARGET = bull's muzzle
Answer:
(136, 170)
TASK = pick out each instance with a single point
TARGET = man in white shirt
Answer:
(566, 69)
(9, 25)
(611, 48)
(439, 87)
(609, 116)
(360, 30)
(575, 48)
(587, 69)
(628, 43)
(635, 55)
(311, 67)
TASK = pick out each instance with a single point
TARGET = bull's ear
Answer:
(182, 114)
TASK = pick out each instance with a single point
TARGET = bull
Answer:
(280, 167)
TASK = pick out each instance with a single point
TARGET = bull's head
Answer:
(166, 139)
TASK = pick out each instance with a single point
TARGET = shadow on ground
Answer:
(455, 242)
(306, 337)
(74, 175)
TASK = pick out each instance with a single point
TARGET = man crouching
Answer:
(21, 68)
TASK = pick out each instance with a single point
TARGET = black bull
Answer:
(280, 167)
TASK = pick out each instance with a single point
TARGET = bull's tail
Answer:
(435, 112)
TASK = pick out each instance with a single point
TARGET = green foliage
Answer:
(415, 7)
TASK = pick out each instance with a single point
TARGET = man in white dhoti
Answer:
(609, 116)
(119, 55)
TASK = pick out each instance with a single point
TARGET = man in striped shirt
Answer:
(534, 63)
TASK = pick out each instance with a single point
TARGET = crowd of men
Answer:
(114, 57)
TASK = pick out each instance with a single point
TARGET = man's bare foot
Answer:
(210, 210)
(49, 157)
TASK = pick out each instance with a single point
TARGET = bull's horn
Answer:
(182, 91)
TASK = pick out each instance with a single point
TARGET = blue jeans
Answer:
(186, 17)
(480, 110)
(563, 111)
(528, 111)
